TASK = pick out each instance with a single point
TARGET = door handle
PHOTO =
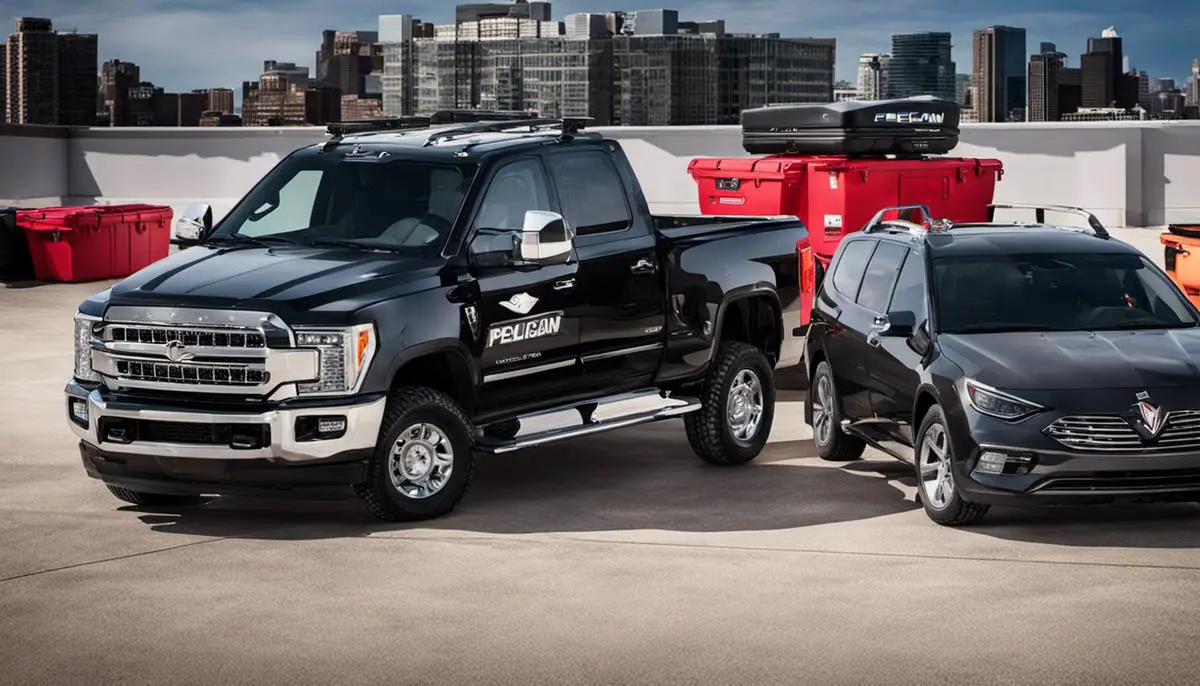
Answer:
(643, 266)
(564, 284)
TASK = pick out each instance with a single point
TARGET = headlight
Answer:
(84, 325)
(994, 403)
(345, 355)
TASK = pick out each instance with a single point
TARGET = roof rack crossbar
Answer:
(1040, 214)
(489, 127)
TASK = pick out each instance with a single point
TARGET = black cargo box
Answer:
(15, 261)
(909, 126)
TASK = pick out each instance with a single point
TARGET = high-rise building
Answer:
(77, 66)
(921, 65)
(117, 81)
(520, 9)
(345, 61)
(396, 34)
(219, 100)
(998, 73)
(32, 73)
(1193, 84)
(1105, 82)
(872, 75)
(276, 100)
(1044, 72)
(962, 91)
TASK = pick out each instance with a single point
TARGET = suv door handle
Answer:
(564, 284)
(642, 266)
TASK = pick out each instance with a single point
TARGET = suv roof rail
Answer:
(376, 124)
(1040, 214)
(928, 223)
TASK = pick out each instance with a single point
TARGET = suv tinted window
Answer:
(909, 295)
(880, 276)
(851, 265)
(590, 190)
(515, 189)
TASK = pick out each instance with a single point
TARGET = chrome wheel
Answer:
(823, 411)
(744, 407)
(421, 461)
(937, 483)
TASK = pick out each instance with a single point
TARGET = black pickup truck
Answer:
(387, 303)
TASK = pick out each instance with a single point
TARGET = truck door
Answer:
(620, 288)
(525, 323)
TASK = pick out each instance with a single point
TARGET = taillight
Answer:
(808, 269)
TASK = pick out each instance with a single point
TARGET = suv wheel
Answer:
(936, 486)
(831, 442)
(738, 407)
(152, 499)
(423, 461)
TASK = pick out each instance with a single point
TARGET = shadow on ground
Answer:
(1155, 525)
(644, 479)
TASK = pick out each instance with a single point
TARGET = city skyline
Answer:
(160, 34)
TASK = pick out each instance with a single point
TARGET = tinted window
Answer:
(591, 193)
(851, 265)
(1055, 292)
(515, 189)
(909, 295)
(881, 275)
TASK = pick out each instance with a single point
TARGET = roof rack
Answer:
(928, 223)
(1041, 210)
(376, 124)
(570, 126)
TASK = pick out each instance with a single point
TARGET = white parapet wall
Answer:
(1131, 174)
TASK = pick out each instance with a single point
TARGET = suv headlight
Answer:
(84, 330)
(345, 355)
(987, 400)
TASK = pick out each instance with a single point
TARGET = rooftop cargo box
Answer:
(909, 126)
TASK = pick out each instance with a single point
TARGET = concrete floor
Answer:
(611, 560)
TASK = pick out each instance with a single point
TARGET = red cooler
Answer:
(76, 244)
(835, 196)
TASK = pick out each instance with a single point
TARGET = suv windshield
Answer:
(1055, 292)
(369, 202)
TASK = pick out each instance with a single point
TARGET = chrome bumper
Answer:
(362, 430)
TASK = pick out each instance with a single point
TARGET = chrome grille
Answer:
(191, 373)
(208, 338)
(1112, 433)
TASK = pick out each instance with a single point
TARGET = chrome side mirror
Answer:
(193, 224)
(545, 238)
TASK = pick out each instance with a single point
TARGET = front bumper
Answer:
(177, 448)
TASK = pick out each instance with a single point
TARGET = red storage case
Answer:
(77, 244)
(835, 196)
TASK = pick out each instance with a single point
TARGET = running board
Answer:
(582, 419)
(877, 438)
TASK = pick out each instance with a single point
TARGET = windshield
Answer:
(1055, 292)
(367, 202)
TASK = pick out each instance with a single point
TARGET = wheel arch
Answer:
(444, 365)
(926, 397)
(751, 315)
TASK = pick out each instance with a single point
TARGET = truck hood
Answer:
(279, 279)
(1079, 360)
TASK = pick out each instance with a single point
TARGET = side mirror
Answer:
(193, 224)
(895, 325)
(545, 239)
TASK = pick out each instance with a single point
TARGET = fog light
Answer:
(79, 412)
(317, 428)
(994, 462)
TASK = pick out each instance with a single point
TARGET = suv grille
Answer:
(191, 373)
(1112, 433)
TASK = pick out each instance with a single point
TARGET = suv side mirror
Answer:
(193, 224)
(900, 324)
(545, 239)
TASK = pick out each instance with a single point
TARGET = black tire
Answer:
(953, 511)
(407, 408)
(832, 444)
(709, 429)
(152, 499)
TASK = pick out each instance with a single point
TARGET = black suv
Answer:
(388, 302)
(1009, 363)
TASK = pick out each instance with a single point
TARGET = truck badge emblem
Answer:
(472, 320)
(177, 353)
(521, 303)
(1148, 419)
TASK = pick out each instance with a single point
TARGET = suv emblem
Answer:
(177, 353)
(1147, 419)
(521, 303)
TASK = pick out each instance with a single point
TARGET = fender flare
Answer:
(465, 373)
(737, 295)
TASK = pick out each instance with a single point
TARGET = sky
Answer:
(186, 44)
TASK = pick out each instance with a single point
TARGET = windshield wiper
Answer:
(335, 243)
(254, 240)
